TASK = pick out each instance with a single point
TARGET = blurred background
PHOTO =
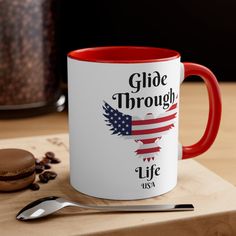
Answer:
(202, 31)
(36, 35)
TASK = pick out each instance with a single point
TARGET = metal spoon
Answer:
(48, 205)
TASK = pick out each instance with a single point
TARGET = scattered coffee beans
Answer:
(41, 166)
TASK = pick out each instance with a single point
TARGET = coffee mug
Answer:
(124, 118)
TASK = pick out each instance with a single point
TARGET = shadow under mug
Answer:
(124, 116)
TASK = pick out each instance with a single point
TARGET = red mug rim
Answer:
(124, 54)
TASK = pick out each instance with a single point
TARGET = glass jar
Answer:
(29, 80)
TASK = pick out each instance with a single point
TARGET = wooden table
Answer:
(221, 158)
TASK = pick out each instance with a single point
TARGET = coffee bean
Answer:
(50, 155)
(34, 187)
(47, 166)
(49, 175)
(41, 163)
(43, 179)
(39, 168)
(46, 160)
(55, 160)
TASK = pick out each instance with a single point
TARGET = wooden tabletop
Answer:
(213, 197)
(221, 158)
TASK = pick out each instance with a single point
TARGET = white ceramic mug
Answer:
(123, 120)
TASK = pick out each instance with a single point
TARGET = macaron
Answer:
(17, 169)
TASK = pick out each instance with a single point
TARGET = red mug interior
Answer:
(124, 54)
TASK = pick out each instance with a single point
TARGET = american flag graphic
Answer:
(147, 131)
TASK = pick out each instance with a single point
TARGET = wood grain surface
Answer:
(213, 198)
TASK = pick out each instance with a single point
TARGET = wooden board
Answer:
(213, 198)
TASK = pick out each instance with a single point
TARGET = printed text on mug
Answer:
(139, 81)
(148, 175)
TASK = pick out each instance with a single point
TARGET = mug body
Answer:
(123, 123)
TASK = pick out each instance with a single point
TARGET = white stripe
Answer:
(153, 154)
(167, 113)
(148, 145)
(153, 126)
(146, 136)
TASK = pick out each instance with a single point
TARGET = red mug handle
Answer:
(214, 115)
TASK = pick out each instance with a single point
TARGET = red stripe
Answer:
(148, 150)
(149, 140)
(153, 121)
(172, 107)
(151, 131)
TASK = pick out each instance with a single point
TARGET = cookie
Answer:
(17, 169)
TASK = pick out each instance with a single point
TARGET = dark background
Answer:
(202, 31)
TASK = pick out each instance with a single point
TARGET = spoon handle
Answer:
(144, 208)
